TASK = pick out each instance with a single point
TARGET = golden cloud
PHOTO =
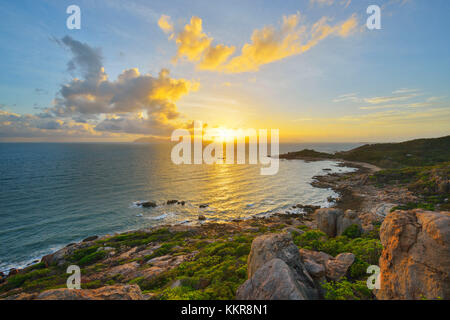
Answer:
(165, 24)
(267, 45)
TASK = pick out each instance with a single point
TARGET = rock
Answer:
(117, 292)
(315, 269)
(195, 284)
(349, 218)
(201, 217)
(127, 254)
(317, 256)
(444, 187)
(148, 204)
(336, 268)
(307, 208)
(13, 272)
(415, 262)
(280, 246)
(326, 219)
(293, 230)
(92, 238)
(383, 209)
(203, 206)
(275, 280)
(58, 258)
(169, 202)
(21, 296)
(126, 270)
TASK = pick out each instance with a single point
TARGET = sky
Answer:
(141, 69)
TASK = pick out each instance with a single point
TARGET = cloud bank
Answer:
(93, 105)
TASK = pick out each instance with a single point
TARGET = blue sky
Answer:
(326, 93)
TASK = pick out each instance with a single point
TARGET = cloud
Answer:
(13, 125)
(267, 45)
(396, 106)
(347, 97)
(130, 92)
(402, 94)
(396, 117)
(321, 3)
(195, 46)
(165, 24)
(93, 105)
(396, 96)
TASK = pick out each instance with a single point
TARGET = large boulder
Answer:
(337, 268)
(275, 280)
(415, 262)
(316, 270)
(346, 220)
(58, 257)
(326, 219)
(276, 247)
(317, 256)
(320, 264)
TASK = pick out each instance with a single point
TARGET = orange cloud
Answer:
(267, 45)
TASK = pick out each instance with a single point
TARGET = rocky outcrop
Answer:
(91, 238)
(116, 292)
(147, 204)
(334, 221)
(346, 220)
(337, 268)
(326, 220)
(276, 271)
(275, 280)
(320, 264)
(415, 262)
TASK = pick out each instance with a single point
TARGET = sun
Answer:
(221, 135)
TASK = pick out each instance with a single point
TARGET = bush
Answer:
(222, 265)
(365, 249)
(93, 257)
(345, 290)
(354, 231)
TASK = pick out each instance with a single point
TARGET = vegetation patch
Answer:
(215, 273)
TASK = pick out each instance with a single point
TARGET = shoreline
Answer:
(317, 182)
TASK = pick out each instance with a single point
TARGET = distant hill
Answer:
(414, 153)
(420, 152)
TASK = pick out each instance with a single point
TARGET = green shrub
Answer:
(365, 249)
(345, 290)
(352, 232)
(221, 264)
(93, 257)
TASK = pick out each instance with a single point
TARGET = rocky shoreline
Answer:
(285, 256)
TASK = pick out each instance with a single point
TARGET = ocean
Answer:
(52, 194)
